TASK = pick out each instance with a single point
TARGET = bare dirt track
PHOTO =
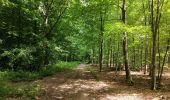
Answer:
(86, 83)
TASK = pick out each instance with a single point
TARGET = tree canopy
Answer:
(35, 34)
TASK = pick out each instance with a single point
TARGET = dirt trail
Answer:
(86, 83)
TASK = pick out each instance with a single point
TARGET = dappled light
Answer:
(124, 97)
(81, 83)
(84, 49)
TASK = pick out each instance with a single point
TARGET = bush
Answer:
(19, 76)
(7, 89)
(61, 66)
(29, 76)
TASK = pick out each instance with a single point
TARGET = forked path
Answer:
(86, 83)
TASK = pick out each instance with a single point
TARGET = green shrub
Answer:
(29, 76)
(9, 90)
(19, 75)
(66, 65)
(6, 89)
(61, 66)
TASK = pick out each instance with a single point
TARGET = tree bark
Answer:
(155, 27)
(164, 59)
(101, 43)
(108, 52)
(146, 38)
(134, 57)
(169, 60)
(141, 55)
(153, 81)
(125, 46)
(146, 56)
(111, 54)
(159, 58)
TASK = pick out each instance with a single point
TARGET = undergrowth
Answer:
(11, 83)
(20, 90)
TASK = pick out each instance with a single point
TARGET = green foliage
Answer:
(61, 66)
(35, 34)
(19, 90)
(26, 42)
(9, 89)
(5, 89)
(29, 76)
(22, 76)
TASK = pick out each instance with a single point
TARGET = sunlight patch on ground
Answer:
(53, 78)
(123, 97)
(133, 73)
(79, 85)
(94, 85)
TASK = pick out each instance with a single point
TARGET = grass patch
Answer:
(19, 76)
(24, 91)
(30, 76)
(9, 89)
(59, 67)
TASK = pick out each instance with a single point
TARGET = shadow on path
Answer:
(86, 83)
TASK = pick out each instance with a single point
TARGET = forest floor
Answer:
(87, 83)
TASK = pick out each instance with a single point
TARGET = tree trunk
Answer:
(164, 59)
(134, 57)
(141, 55)
(101, 43)
(154, 35)
(159, 58)
(125, 46)
(146, 56)
(146, 39)
(155, 27)
(169, 60)
(108, 52)
(118, 49)
(93, 55)
(111, 54)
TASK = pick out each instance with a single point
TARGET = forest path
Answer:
(86, 83)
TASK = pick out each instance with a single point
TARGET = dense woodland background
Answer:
(36, 35)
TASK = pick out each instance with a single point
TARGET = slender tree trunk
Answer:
(108, 52)
(125, 46)
(111, 53)
(134, 55)
(146, 56)
(153, 87)
(139, 57)
(142, 55)
(164, 59)
(159, 58)
(45, 33)
(169, 60)
(111, 58)
(117, 55)
(146, 39)
(150, 59)
(101, 43)
(155, 27)
(93, 55)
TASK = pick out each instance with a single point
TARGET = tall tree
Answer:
(125, 46)
(155, 28)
